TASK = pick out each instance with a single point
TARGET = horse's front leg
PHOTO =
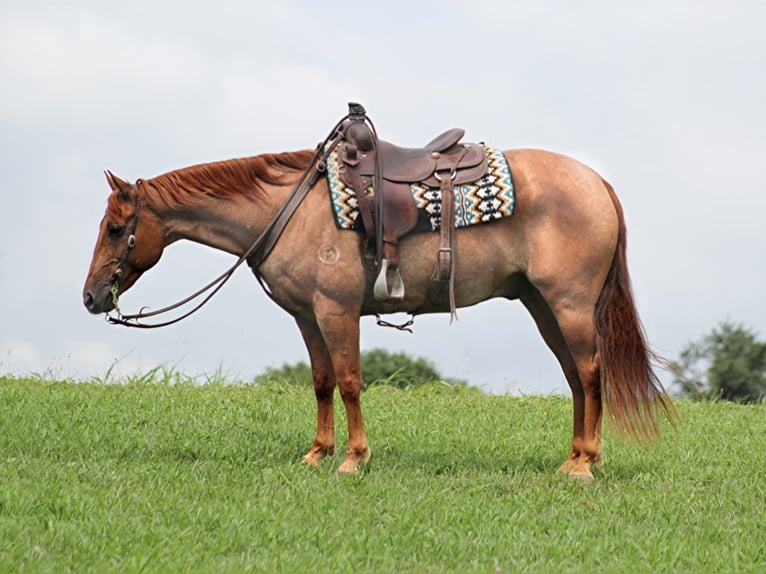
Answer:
(324, 388)
(339, 326)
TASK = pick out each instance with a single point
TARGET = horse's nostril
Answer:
(88, 300)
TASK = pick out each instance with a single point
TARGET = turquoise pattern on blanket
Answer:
(490, 198)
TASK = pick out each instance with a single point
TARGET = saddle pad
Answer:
(487, 199)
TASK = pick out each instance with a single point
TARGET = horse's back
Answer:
(559, 198)
(542, 175)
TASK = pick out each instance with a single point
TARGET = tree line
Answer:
(379, 367)
(728, 363)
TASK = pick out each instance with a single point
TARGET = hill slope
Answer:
(161, 478)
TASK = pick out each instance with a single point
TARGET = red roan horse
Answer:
(562, 254)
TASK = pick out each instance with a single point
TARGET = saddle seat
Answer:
(444, 153)
(414, 164)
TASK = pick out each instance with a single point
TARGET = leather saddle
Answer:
(381, 174)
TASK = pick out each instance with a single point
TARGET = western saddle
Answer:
(380, 173)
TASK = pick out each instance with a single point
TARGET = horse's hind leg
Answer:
(324, 388)
(579, 331)
(572, 339)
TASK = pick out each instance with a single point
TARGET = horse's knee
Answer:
(324, 391)
(350, 386)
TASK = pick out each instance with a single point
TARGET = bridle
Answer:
(255, 255)
(118, 272)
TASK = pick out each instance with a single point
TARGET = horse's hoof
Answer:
(582, 476)
(353, 460)
(348, 468)
(316, 454)
(311, 461)
(567, 467)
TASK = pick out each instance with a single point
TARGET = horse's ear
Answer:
(118, 185)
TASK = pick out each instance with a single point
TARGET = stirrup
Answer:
(380, 290)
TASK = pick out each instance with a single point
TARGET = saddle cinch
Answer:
(381, 173)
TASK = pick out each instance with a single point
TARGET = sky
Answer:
(667, 100)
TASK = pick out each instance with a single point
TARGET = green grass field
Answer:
(184, 478)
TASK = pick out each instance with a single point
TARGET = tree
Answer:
(729, 363)
(396, 369)
(296, 374)
(379, 367)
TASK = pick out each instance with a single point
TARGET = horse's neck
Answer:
(219, 218)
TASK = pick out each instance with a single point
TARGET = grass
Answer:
(147, 477)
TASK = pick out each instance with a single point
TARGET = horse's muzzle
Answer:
(97, 302)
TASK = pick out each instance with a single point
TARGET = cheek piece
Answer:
(117, 275)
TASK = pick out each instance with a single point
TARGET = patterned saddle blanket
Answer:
(490, 198)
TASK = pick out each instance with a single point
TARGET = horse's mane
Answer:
(228, 178)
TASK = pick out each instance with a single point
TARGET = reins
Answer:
(256, 254)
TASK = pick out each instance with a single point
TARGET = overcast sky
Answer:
(666, 99)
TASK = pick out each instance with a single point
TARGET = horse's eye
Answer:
(115, 230)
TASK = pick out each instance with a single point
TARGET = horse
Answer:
(562, 254)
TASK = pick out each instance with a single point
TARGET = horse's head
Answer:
(130, 241)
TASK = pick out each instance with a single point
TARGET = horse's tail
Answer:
(629, 386)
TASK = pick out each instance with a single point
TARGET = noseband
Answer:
(117, 275)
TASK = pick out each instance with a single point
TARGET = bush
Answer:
(379, 367)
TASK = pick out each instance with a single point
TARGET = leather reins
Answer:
(256, 254)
